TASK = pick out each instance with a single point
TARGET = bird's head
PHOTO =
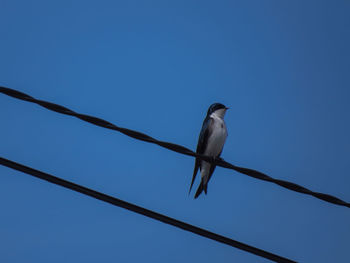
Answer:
(217, 109)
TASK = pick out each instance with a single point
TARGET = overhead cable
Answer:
(143, 211)
(172, 146)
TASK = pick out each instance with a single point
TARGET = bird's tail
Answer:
(200, 189)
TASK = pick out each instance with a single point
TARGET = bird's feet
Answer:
(217, 159)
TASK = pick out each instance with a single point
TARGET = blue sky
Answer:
(155, 66)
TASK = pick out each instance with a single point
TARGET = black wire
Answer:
(140, 210)
(173, 147)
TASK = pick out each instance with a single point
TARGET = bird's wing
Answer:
(202, 144)
(211, 171)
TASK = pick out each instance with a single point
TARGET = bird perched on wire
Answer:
(211, 142)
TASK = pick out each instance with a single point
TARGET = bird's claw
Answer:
(217, 159)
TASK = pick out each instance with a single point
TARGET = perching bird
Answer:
(211, 141)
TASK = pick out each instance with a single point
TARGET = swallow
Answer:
(210, 143)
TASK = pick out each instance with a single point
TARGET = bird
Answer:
(211, 141)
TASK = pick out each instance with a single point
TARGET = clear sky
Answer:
(156, 66)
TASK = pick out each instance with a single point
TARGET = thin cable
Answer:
(173, 147)
(143, 211)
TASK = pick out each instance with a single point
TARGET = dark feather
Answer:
(203, 186)
(202, 144)
(199, 190)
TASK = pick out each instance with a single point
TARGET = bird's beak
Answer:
(227, 108)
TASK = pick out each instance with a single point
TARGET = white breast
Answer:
(218, 137)
(215, 144)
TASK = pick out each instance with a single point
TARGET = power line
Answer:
(171, 146)
(143, 211)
